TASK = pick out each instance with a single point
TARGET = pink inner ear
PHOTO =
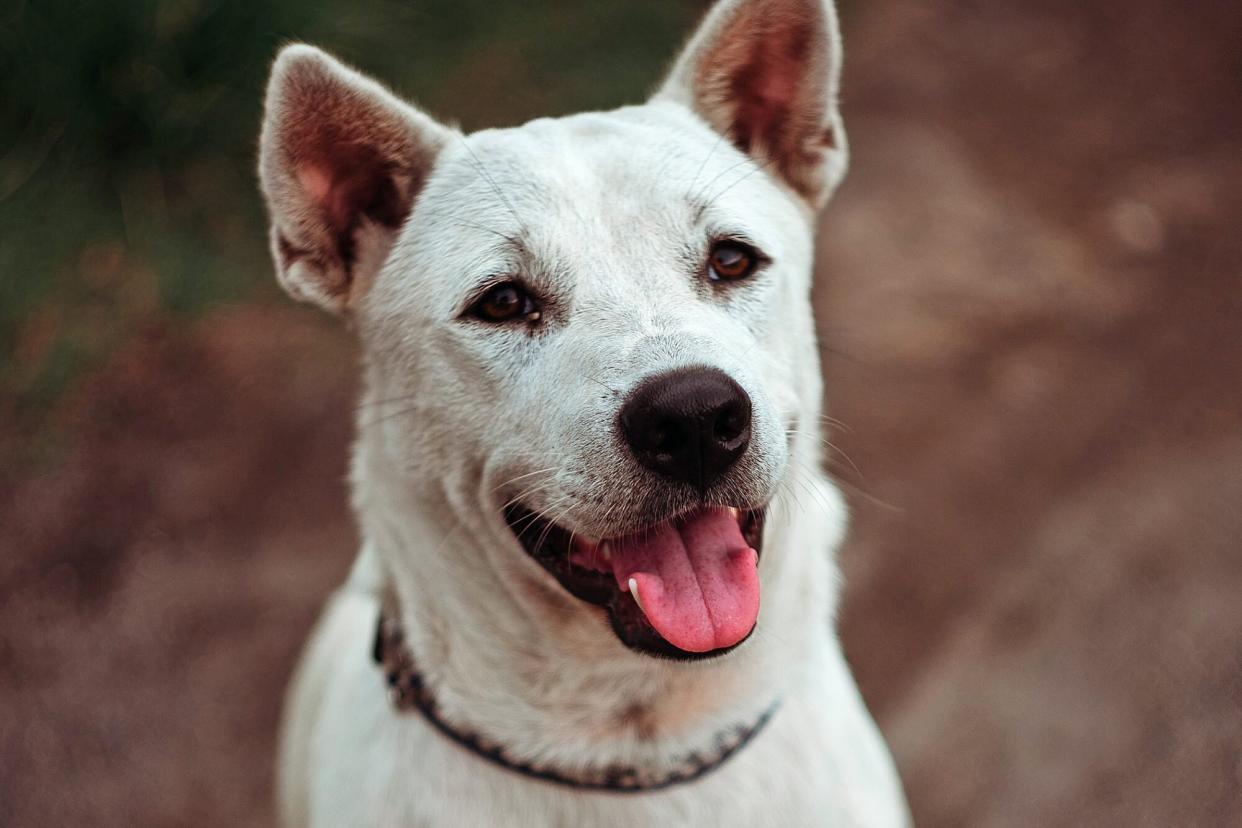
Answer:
(765, 108)
(316, 182)
(766, 87)
(346, 182)
(343, 194)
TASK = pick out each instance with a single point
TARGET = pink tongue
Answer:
(695, 577)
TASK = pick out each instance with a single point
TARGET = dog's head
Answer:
(589, 337)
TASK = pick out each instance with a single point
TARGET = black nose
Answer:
(690, 425)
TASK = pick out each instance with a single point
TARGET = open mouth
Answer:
(687, 588)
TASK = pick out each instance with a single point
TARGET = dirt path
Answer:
(1031, 313)
(155, 589)
(1032, 297)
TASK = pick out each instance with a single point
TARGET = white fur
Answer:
(458, 418)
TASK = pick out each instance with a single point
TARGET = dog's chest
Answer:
(428, 781)
(811, 766)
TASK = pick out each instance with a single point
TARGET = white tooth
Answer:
(633, 585)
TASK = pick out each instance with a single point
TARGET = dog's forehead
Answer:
(597, 204)
(634, 152)
(646, 171)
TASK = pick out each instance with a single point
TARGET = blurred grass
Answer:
(127, 140)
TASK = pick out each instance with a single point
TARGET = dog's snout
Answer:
(689, 425)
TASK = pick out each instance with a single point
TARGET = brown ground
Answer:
(1032, 316)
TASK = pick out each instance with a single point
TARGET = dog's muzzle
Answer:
(686, 585)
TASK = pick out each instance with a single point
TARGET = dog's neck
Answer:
(509, 654)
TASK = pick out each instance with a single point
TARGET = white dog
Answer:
(588, 443)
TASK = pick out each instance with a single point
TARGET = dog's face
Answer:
(598, 343)
(591, 334)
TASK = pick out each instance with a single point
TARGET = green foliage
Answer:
(127, 138)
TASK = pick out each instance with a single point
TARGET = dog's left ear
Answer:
(765, 74)
(341, 160)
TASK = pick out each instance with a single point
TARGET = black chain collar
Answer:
(408, 691)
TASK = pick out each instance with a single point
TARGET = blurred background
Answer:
(1030, 296)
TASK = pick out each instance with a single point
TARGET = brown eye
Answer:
(506, 302)
(731, 261)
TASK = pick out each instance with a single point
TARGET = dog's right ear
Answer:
(341, 160)
(765, 74)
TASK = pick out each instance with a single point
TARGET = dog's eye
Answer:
(730, 261)
(506, 302)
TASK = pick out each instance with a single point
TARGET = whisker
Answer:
(543, 513)
(828, 444)
(740, 179)
(392, 401)
(603, 385)
(835, 423)
(829, 350)
(815, 494)
(486, 229)
(707, 158)
(719, 175)
(861, 492)
(521, 496)
(851, 486)
(524, 476)
(478, 165)
(838, 450)
(386, 417)
(786, 488)
(569, 550)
